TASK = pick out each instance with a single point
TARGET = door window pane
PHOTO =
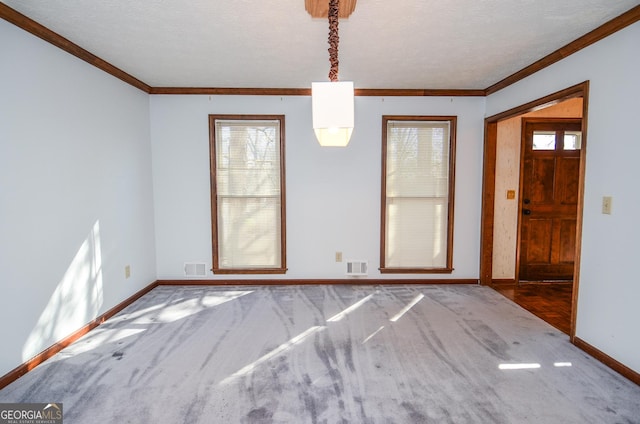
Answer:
(572, 140)
(544, 140)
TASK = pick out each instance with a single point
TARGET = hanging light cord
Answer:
(333, 39)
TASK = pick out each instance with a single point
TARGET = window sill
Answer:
(249, 270)
(415, 270)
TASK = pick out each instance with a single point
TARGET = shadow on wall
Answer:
(75, 301)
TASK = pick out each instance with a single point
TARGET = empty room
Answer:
(319, 211)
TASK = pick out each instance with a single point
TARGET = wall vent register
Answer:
(357, 268)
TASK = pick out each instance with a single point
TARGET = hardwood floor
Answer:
(549, 301)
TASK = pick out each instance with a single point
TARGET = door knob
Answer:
(526, 201)
(526, 211)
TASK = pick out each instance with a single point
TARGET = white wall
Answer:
(332, 194)
(608, 310)
(76, 200)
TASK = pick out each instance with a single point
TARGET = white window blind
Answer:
(248, 194)
(417, 194)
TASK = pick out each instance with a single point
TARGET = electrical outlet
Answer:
(127, 271)
(606, 205)
(338, 256)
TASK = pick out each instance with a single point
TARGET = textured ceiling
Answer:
(419, 44)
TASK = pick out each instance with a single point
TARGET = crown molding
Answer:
(10, 15)
(33, 27)
(364, 92)
(616, 24)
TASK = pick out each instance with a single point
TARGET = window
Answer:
(572, 140)
(546, 140)
(247, 194)
(418, 156)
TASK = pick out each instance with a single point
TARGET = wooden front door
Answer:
(549, 198)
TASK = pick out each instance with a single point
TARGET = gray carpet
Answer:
(328, 354)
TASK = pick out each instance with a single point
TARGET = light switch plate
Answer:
(606, 205)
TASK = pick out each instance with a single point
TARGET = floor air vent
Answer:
(357, 268)
(195, 269)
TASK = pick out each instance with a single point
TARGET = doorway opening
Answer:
(549, 174)
(532, 204)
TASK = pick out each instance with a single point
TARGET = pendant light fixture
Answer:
(332, 102)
